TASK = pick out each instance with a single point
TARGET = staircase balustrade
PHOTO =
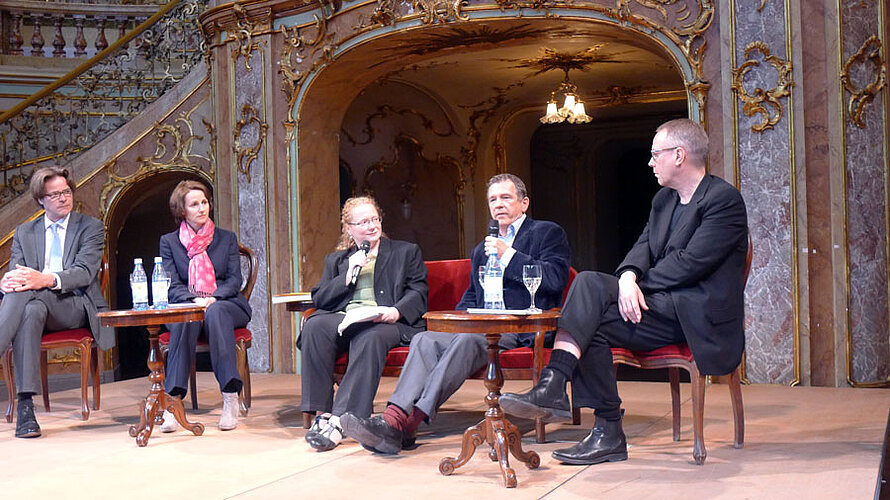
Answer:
(80, 109)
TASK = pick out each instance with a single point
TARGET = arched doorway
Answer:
(480, 87)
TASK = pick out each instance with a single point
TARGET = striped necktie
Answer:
(55, 250)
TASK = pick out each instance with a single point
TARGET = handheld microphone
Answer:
(365, 247)
(493, 228)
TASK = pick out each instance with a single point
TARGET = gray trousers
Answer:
(320, 344)
(24, 316)
(437, 365)
(220, 320)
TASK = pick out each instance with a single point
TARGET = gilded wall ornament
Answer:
(174, 145)
(440, 11)
(385, 110)
(243, 35)
(247, 155)
(763, 102)
(870, 51)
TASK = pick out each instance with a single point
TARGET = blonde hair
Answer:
(346, 240)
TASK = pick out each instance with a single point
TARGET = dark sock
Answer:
(395, 417)
(610, 415)
(25, 396)
(564, 362)
(234, 385)
(414, 420)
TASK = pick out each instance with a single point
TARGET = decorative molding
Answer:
(484, 111)
(869, 51)
(243, 33)
(440, 11)
(383, 111)
(761, 99)
(246, 156)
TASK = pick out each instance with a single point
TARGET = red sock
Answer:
(395, 417)
(414, 421)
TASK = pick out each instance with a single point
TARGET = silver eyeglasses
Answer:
(656, 152)
(367, 222)
(57, 195)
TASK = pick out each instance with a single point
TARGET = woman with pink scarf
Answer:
(204, 268)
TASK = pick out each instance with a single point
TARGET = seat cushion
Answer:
(521, 357)
(66, 336)
(672, 351)
(395, 357)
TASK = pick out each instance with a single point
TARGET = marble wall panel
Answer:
(764, 161)
(248, 86)
(866, 215)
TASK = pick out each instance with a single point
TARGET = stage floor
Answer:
(801, 442)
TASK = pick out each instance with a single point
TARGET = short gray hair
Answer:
(690, 135)
(521, 191)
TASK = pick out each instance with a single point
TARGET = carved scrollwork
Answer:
(763, 99)
(440, 11)
(243, 35)
(385, 110)
(245, 155)
(869, 51)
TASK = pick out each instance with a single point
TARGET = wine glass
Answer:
(531, 277)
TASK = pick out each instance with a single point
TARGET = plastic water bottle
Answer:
(160, 283)
(139, 286)
(494, 283)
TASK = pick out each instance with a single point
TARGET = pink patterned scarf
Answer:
(202, 276)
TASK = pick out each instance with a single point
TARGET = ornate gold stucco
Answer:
(869, 51)
(763, 99)
(246, 155)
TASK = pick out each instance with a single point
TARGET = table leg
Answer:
(150, 411)
(502, 436)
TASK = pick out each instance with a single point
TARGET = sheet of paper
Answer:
(359, 314)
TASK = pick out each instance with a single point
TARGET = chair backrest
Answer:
(448, 279)
(572, 274)
(748, 257)
(252, 270)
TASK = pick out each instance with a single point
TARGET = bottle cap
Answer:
(158, 260)
(137, 261)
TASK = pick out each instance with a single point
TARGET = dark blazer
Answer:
(701, 265)
(537, 242)
(81, 258)
(223, 253)
(399, 281)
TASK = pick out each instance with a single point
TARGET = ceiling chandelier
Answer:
(572, 109)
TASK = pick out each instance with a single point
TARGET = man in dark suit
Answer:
(52, 284)
(439, 363)
(683, 281)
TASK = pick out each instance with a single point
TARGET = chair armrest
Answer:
(305, 315)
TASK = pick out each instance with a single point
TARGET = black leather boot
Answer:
(605, 443)
(373, 433)
(546, 400)
(26, 422)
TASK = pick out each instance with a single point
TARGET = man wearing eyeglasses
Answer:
(52, 284)
(683, 281)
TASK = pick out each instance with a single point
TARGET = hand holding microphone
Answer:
(357, 261)
(493, 245)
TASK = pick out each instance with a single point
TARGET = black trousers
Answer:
(591, 316)
(320, 344)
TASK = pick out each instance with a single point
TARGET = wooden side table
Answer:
(151, 409)
(495, 429)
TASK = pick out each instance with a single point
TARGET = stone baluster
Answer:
(58, 38)
(15, 38)
(80, 41)
(101, 42)
(37, 41)
(122, 29)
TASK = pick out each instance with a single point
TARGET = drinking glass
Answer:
(531, 277)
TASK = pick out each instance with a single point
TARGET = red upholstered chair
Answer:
(243, 338)
(678, 356)
(447, 281)
(87, 355)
